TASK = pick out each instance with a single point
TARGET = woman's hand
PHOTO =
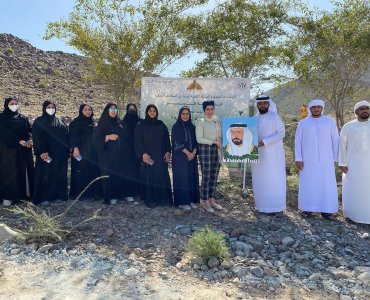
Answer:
(111, 137)
(167, 157)
(44, 156)
(23, 143)
(146, 158)
(218, 143)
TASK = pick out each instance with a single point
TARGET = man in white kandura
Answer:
(268, 175)
(316, 152)
(354, 161)
(239, 138)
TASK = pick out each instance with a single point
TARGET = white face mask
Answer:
(50, 111)
(13, 107)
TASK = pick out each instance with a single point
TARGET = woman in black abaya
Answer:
(132, 174)
(153, 148)
(16, 159)
(184, 161)
(84, 161)
(51, 146)
(109, 140)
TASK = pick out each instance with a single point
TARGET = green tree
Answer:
(239, 38)
(125, 42)
(329, 52)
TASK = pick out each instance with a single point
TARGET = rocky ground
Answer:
(133, 252)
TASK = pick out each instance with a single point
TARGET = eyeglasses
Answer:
(113, 110)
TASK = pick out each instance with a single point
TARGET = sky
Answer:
(27, 20)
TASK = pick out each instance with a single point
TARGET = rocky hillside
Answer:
(34, 75)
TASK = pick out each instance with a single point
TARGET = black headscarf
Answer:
(188, 123)
(82, 119)
(107, 124)
(6, 110)
(45, 115)
(131, 118)
(149, 119)
(183, 133)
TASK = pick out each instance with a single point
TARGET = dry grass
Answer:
(42, 226)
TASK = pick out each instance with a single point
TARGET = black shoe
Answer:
(327, 216)
(306, 214)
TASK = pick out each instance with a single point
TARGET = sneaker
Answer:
(130, 199)
(209, 209)
(217, 206)
(113, 201)
(185, 207)
(7, 202)
(193, 206)
(44, 203)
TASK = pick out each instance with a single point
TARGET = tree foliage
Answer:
(125, 42)
(239, 38)
(329, 52)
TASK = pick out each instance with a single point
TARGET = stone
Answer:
(6, 233)
(109, 232)
(179, 265)
(287, 241)
(269, 272)
(302, 271)
(213, 262)
(315, 277)
(364, 278)
(204, 268)
(338, 273)
(131, 272)
(227, 264)
(91, 248)
(345, 297)
(257, 271)
(240, 246)
(196, 267)
(45, 248)
(360, 269)
(183, 229)
(265, 219)
(329, 244)
(14, 251)
(178, 212)
(235, 233)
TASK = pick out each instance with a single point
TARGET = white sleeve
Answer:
(343, 162)
(278, 135)
(298, 143)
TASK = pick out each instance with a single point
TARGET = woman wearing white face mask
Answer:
(50, 138)
(16, 159)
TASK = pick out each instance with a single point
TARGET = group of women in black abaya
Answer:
(134, 154)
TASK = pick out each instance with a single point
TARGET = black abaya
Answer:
(132, 164)
(84, 171)
(185, 173)
(50, 135)
(152, 137)
(110, 154)
(16, 161)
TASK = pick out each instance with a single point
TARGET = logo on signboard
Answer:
(194, 86)
(243, 85)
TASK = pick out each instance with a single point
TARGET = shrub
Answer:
(207, 243)
(42, 84)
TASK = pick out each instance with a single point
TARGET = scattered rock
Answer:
(213, 262)
(365, 278)
(14, 251)
(45, 248)
(91, 248)
(131, 272)
(257, 271)
(287, 241)
(6, 233)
